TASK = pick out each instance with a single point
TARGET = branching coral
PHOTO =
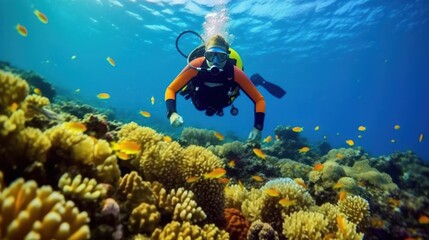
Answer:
(355, 207)
(12, 124)
(13, 89)
(199, 137)
(135, 189)
(29, 212)
(252, 205)
(305, 225)
(330, 211)
(186, 230)
(144, 218)
(82, 189)
(261, 231)
(235, 196)
(182, 206)
(236, 225)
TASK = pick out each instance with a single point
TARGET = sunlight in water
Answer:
(217, 22)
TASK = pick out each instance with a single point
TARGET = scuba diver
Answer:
(212, 79)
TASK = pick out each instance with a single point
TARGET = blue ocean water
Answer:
(343, 63)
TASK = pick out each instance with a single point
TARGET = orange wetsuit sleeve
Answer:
(247, 86)
(178, 83)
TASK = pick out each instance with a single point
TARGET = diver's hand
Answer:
(254, 135)
(176, 120)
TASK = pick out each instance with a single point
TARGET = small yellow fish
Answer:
(396, 127)
(126, 146)
(267, 139)
(297, 129)
(37, 91)
(192, 179)
(300, 182)
(103, 96)
(350, 142)
(318, 167)
(152, 100)
(285, 202)
(42, 17)
(258, 152)
(13, 107)
(145, 114)
(223, 180)
(219, 136)
(75, 126)
(272, 192)
(21, 30)
(341, 223)
(362, 128)
(342, 195)
(338, 185)
(231, 164)
(304, 150)
(316, 128)
(73, 57)
(167, 139)
(423, 219)
(123, 156)
(421, 137)
(111, 61)
(216, 173)
(257, 178)
(240, 183)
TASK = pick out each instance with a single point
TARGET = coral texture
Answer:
(236, 225)
(186, 230)
(82, 189)
(305, 225)
(13, 89)
(135, 189)
(29, 212)
(235, 196)
(355, 207)
(144, 218)
(261, 231)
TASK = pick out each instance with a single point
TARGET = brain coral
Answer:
(305, 225)
(355, 207)
(261, 231)
(29, 212)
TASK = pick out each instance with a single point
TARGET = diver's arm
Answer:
(247, 86)
(178, 83)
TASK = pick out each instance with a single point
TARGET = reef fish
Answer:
(42, 17)
(152, 100)
(318, 167)
(103, 96)
(350, 142)
(145, 114)
(285, 202)
(111, 61)
(297, 129)
(231, 164)
(75, 126)
(21, 30)
(126, 146)
(268, 139)
(362, 128)
(168, 139)
(423, 219)
(216, 173)
(258, 152)
(192, 179)
(316, 128)
(421, 137)
(396, 127)
(257, 178)
(304, 150)
(272, 192)
(219, 136)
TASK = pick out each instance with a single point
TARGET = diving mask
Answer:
(211, 53)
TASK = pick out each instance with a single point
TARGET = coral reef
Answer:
(305, 225)
(83, 189)
(199, 137)
(261, 231)
(236, 225)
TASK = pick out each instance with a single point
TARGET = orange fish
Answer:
(300, 182)
(304, 150)
(75, 126)
(362, 128)
(219, 136)
(268, 139)
(231, 164)
(318, 167)
(257, 178)
(223, 180)
(123, 156)
(216, 173)
(423, 219)
(111, 61)
(145, 114)
(240, 183)
(168, 139)
(341, 223)
(350, 142)
(272, 192)
(285, 202)
(396, 127)
(21, 30)
(152, 100)
(13, 107)
(103, 96)
(297, 129)
(42, 17)
(342, 195)
(192, 179)
(258, 152)
(127, 146)
(421, 137)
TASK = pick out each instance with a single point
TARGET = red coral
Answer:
(236, 225)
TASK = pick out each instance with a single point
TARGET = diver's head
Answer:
(216, 54)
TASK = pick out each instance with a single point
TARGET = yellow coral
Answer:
(144, 218)
(252, 205)
(346, 230)
(109, 171)
(235, 196)
(183, 207)
(355, 207)
(330, 211)
(29, 212)
(293, 169)
(29, 144)
(135, 189)
(34, 104)
(176, 230)
(78, 188)
(12, 124)
(13, 89)
(305, 225)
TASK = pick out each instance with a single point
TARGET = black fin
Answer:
(275, 90)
